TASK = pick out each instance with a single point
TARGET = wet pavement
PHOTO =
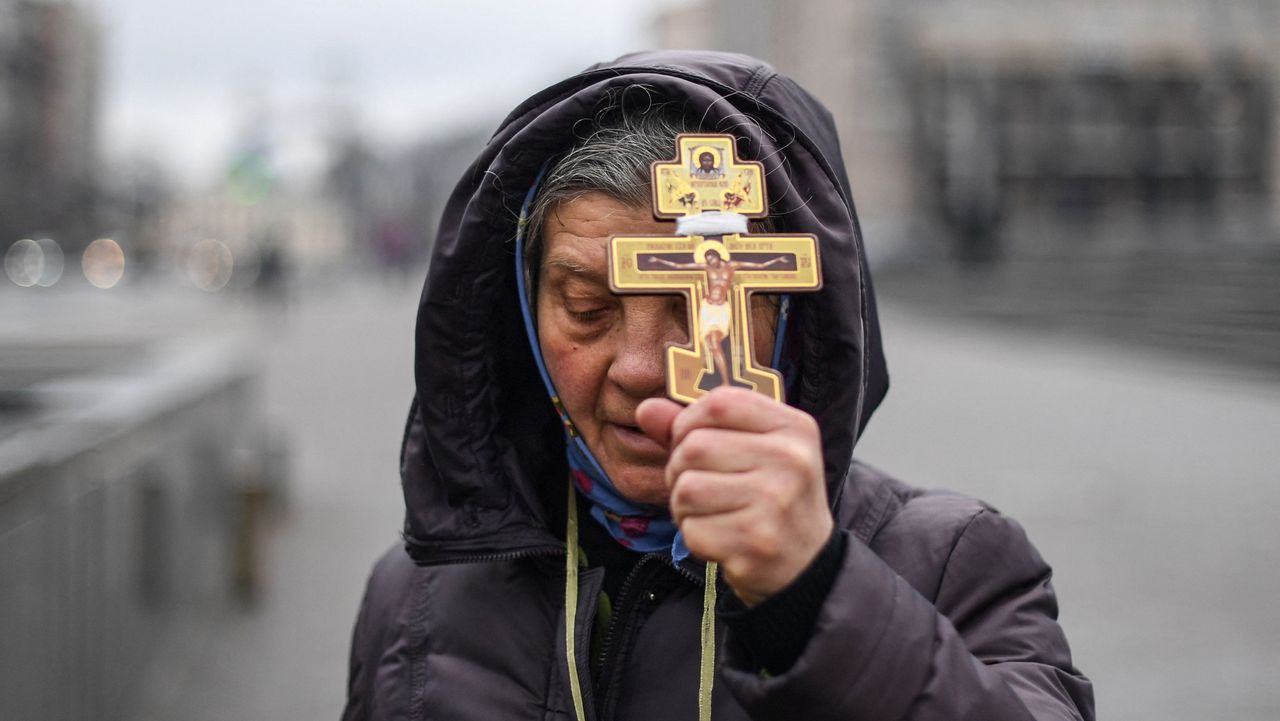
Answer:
(1149, 482)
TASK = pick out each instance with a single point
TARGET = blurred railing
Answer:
(119, 510)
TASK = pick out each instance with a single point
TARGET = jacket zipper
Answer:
(537, 552)
(622, 613)
(695, 578)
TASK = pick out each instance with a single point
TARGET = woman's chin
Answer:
(643, 486)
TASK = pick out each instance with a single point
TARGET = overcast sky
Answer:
(177, 72)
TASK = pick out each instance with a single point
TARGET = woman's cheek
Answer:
(570, 366)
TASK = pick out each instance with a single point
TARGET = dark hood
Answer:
(482, 464)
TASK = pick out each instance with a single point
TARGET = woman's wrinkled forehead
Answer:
(576, 235)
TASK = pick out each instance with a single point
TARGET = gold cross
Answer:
(717, 274)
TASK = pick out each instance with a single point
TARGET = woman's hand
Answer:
(747, 485)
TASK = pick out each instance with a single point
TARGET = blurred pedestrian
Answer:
(272, 282)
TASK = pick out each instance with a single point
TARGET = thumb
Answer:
(655, 416)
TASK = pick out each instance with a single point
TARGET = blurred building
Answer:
(217, 238)
(392, 200)
(378, 190)
(434, 167)
(49, 87)
(254, 224)
(986, 129)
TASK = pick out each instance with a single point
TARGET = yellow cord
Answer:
(571, 604)
(707, 668)
(707, 664)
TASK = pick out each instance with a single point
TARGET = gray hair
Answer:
(631, 130)
(612, 158)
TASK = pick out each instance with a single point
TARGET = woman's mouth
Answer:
(635, 443)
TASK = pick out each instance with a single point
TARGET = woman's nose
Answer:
(649, 325)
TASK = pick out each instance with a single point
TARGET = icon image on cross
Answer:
(717, 272)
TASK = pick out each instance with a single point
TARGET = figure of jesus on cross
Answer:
(715, 312)
(716, 268)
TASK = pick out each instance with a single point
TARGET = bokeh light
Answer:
(54, 263)
(24, 262)
(209, 265)
(103, 263)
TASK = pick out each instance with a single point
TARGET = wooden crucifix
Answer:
(716, 270)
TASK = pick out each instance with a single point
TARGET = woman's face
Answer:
(605, 352)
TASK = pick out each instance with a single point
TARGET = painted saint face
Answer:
(605, 352)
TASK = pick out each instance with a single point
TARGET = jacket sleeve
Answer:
(358, 668)
(379, 679)
(989, 648)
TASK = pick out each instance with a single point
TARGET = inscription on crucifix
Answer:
(717, 272)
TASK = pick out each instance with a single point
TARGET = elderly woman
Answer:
(564, 520)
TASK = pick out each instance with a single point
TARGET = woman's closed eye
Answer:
(587, 316)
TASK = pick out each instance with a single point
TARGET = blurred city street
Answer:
(1148, 482)
(215, 220)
